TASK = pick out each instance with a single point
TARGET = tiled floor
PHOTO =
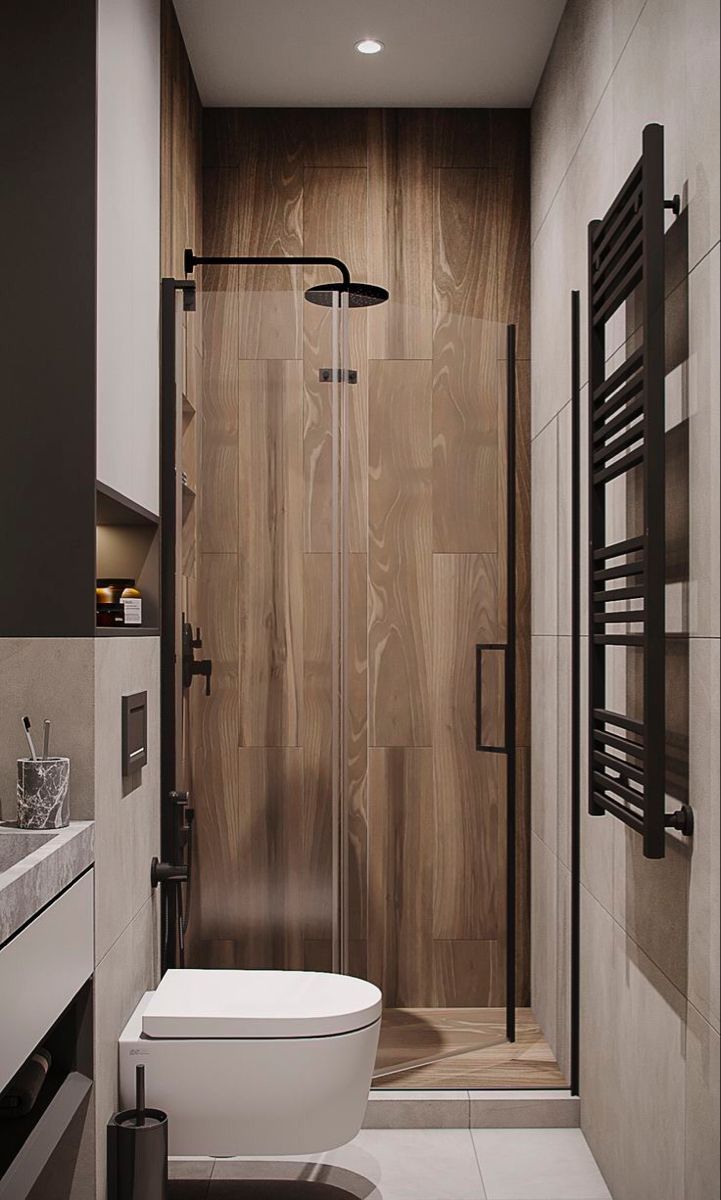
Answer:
(402, 1164)
(448, 1047)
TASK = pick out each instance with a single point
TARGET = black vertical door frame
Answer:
(575, 687)
(168, 590)
(510, 684)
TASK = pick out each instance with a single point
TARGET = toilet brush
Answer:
(138, 1149)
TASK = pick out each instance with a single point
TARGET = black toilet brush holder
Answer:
(138, 1150)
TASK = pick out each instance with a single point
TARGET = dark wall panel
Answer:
(47, 217)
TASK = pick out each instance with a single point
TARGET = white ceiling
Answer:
(300, 53)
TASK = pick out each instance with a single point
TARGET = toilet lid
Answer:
(259, 1004)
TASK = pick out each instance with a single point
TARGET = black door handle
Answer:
(480, 743)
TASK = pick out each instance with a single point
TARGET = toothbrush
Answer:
(26, 727)
(46, 739)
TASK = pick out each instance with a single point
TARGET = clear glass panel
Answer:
(266, 748)
(351, 559)
(424, 515)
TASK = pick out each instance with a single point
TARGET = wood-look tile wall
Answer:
(432, 205)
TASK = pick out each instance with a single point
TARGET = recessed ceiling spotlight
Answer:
(369, 46)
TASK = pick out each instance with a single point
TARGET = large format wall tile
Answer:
(271, 538)
(649, 85)
(649, 934)
(702, 1109)
(544, 530)
(544, 751)
(130, 968)
(400, 566)
(550, 301)
(633, 1056)
(703, 898)
(576, 74)
(48, 678)
(400, 229)
(702, 126)
(544, 949)
(434, 206)
(127, 809)
(704, 424)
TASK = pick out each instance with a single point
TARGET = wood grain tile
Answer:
(357, 757)
(335, 215)
(512, 221)
(461, 137)
(466, 254)
(466, 378)
(270, 443)
(401, 852)
(399, 568)
(468, 971)
(468, 784)
(270, 208)
(425, 811)
(400, 231)
(219, 295)
(270, 866)
(511, 141)
(334, 137)
(463, 1047)
(319, 679)
(214, 724)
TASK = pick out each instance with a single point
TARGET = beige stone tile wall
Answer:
(650, 930)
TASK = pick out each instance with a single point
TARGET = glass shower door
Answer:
(267, 742)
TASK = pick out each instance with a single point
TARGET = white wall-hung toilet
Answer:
(254, 1062)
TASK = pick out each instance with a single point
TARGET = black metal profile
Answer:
(198, 260)
(626, 430)
(575, 687)
(511, 685)
(509, 651)
(168, 583)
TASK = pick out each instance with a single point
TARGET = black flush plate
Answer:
(135, 732)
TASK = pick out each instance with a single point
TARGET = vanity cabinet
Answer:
(46, 998)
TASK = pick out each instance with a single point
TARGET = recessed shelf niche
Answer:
(128, 547)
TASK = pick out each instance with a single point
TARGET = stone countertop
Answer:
(30, 884)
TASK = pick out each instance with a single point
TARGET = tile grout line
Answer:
(478, 1165)
(588, 124)
(637, 944)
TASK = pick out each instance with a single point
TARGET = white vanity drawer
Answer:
(41, 969)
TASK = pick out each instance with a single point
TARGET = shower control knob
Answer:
(191, 665)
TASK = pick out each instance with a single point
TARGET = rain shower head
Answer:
(360, 295)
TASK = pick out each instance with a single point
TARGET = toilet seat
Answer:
(259, 1004)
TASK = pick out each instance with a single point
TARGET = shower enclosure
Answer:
(341, 539)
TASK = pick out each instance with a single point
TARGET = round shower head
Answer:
(360, 295)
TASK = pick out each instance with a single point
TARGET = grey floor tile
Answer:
(538, 1164)
(269, 1189)
(379, 1164)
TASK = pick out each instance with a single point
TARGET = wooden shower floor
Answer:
(463, 1048)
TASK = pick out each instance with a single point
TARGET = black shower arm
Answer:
(198, 260)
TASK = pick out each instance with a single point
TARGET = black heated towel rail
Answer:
(626, 579)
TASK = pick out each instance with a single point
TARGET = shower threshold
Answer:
(463, 1048)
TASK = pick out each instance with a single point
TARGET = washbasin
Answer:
(16, 844)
